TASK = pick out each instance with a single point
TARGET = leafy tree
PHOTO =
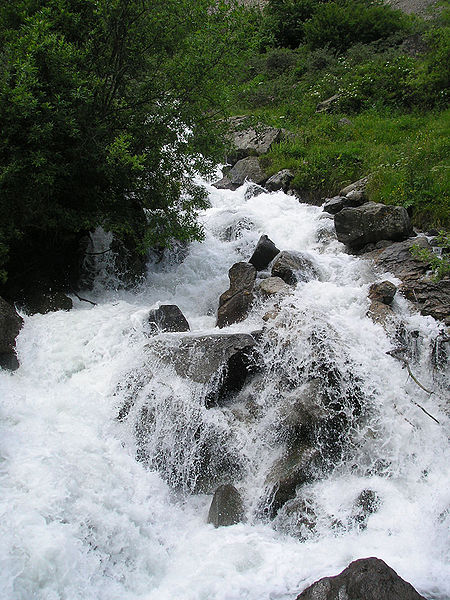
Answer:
(107, 108)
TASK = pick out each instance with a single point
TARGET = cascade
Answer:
(114, 437)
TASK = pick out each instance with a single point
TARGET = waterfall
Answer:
(110, 456)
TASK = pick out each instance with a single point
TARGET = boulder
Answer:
(363, 579)
(382, 292)
(296, 467)
(379, 312)
(293, 267)
(47, 302)
(272, 286)
(10, 325)
(235, 303)
(250, 141)
(370, 223)
(280, 181)
(334, 205)
(168, 317)
(245, 169)
(203, 358)
(264, 253)
(226, 507)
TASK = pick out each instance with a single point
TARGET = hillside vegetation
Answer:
(388, 76)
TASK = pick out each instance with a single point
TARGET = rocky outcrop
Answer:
(247, 169)
(234, 304)
(363, 579)
(47, 302)
(226, 507)
(10, 325)
(280, 181)
(431, 297)
(167, 317)
(250, 141)
(204, 358)
(370, 223)
(293, 267)
(264, 253)
(383, 292)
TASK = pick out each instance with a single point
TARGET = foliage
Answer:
(440, 263)
(101, 103)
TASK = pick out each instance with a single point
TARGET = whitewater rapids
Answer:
(81, 519)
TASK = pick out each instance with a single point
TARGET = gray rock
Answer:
(10, 325)
(272, 286)
(432, 297)
(251, 141)
(245, 169)
(168, 317)
(202, 358)
(280, 181)
(370, 223)
(235, 303)
(328, 104)
(334, 205)
(379, 312)
(293, 267)
(226, 507)
(264, 253)
(383, 292)
(47, 302)
(363, 579)
(398, 259)
(359, 185)
(355, 198)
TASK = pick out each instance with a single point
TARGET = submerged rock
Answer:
(293, 267)
(226, 507)
(264, 253)
(366, 504)
(363, 579)
(168, 317)
(370, 223)
(235, 303)
(10, 325)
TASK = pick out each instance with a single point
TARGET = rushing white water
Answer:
(81, 518)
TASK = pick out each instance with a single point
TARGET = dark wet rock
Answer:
(168, 317)
(365, 505)
(272, 286)
(47, 302)
(296, 467)
(363, 579)
(383, 292)
(280, 181)
(10, 325)
(293, 267)
(203, 358)
(226, 507)
(329, 104)
(251, 141)
(235, 303)
(247, 169)
(370, 223)
(264, 253)
(253, 191)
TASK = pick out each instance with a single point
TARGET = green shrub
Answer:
(440, 263)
